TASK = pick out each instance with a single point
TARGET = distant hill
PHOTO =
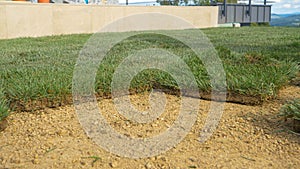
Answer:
(285, 19)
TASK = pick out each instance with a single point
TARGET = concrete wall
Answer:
(32, 20)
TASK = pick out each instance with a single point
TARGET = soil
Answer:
(246, 137)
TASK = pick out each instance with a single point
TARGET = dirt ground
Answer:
(246, 137)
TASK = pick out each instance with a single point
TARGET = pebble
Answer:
(153, 158)
(267, 136)
(113, 164)
(148, 166)
(192, 159)
(35, 161)
(16, 160)
(154, 125)
(163, 158)
(82, 162)
(274, 109)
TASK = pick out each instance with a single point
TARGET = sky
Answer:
(286, 6)
(279, 6)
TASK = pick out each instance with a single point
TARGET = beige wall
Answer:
(33, 20)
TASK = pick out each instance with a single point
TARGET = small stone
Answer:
(268, 136)
(82, 162)
(274, 109)
(35, 161)
(153, 125)
(148, 166)
(16, 160)
(152, 158)
(113, 164)
(163, 158)
(192, 159)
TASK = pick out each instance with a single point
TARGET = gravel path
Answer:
(247, 137)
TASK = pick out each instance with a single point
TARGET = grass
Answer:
(37, 72)
(272, 42)
(291, 110)
(4, 107)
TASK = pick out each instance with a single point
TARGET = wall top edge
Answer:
(10, 3)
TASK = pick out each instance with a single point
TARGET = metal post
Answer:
(225, 7)
(249, 8)
(126, 2)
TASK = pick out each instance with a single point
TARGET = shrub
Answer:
(260, 24)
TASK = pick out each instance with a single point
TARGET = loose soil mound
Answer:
(247, 137)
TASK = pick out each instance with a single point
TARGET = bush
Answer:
(260, 24)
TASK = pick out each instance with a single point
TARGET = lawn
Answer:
(258, 61)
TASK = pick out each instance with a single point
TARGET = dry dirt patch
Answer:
(247, 137)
